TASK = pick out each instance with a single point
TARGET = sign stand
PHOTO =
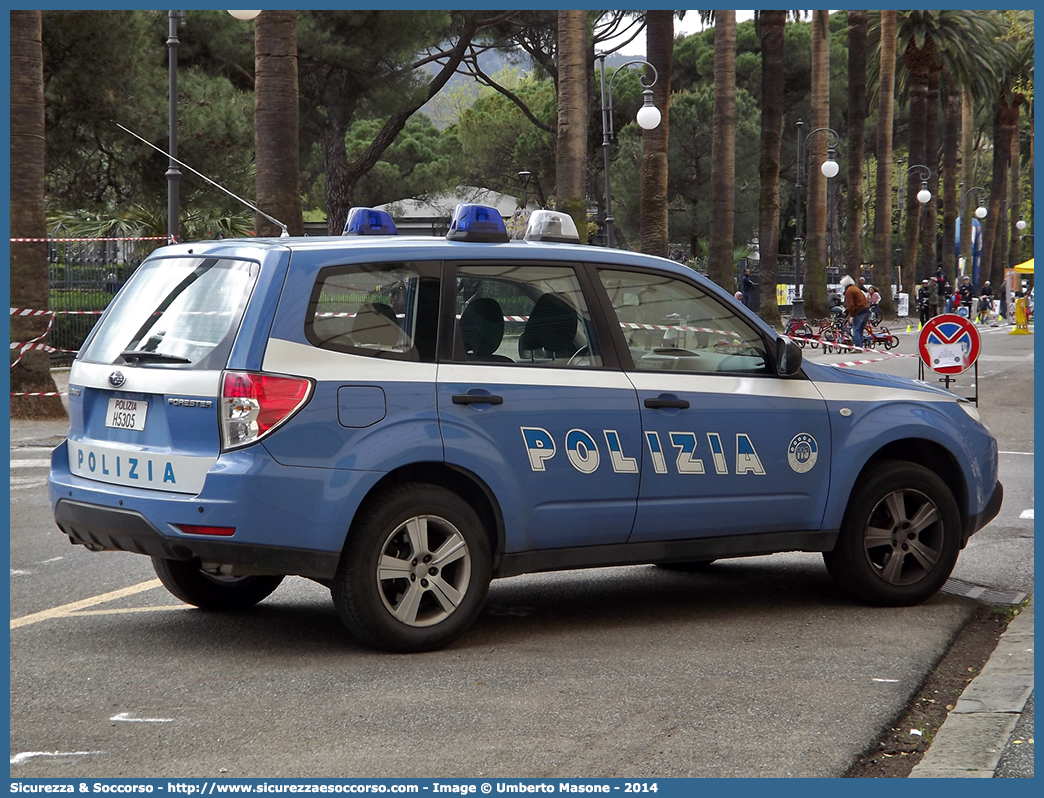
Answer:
(949, 345)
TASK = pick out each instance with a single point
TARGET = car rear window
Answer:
(177, 312)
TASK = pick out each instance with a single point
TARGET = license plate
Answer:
(126, 414)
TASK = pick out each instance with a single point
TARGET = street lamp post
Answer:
(980, 213)
(525, 177)
(829, 168)
(648, 117)
(173, 173)
(924, 196)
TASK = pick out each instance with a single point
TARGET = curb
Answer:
(971, 740)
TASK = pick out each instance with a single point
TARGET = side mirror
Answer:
(788, 357)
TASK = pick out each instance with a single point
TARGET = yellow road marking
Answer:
(125, 610)
(69, 609)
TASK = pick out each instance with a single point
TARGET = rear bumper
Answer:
(107, 529)
(989, 512)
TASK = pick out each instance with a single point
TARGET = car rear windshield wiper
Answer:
(133, 355)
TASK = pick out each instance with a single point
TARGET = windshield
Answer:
(175, 311)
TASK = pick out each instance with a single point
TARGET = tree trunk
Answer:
(815, 276)
(1015, 203)
(773, 25)
(276, 151)
(883, 199)
(723, 153)
(1004, 122)
(951, 130)
(571, 150)
(929, 219)
(967, 180)
(654, 222)
(857, 25)
(29, 289)
(917, 62)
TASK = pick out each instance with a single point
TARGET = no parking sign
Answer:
(949, 344)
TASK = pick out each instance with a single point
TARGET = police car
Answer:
(404, 419)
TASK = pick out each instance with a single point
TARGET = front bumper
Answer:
(989, 512)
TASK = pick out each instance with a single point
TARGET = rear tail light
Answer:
(252, 405)
(196, 529)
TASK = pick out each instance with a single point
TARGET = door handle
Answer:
(656, 404)
(477, 399)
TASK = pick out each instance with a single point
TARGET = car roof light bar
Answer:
(369, 222)
(477, 223)
(552, 226)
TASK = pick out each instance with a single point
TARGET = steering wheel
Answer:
(581, 357)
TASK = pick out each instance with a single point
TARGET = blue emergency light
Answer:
(477, 223)
(369, 222)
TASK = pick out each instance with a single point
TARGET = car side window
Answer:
(386, 310)
(671, 324)
(529, 314)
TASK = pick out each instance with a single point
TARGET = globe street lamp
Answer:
(648, 117)
(924, 196)
(829, 168)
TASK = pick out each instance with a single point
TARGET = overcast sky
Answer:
(691, 24)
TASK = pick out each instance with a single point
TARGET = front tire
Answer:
(900, 536)
(185, 580)
(415, 570)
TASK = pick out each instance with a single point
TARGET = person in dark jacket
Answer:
(747, 287)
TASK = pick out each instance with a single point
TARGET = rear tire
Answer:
(415, 570)
(185, 580)
(900, 536)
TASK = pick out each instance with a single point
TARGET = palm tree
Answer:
(1015, 77)
(857, 31)
(659, 51)
(29, 259)
(885, 116)
(772, 29)
(571, 153)
(965, 43)
(815, 276)
(276, 150)
(723, 152)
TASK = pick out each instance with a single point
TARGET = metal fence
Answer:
(83, 276)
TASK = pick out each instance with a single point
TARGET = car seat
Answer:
(482, 328)
(550, 331)
(375, 327)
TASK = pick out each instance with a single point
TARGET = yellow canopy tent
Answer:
(1025, 268)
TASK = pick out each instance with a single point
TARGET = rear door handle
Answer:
(656, 404)
(477, 399)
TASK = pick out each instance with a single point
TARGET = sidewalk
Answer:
(977, 734)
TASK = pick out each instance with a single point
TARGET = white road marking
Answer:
(18, 759)
(1028, 454)
(1027, 514)
(885, 681)
(15, 572)
(125, 717)
(30, 464)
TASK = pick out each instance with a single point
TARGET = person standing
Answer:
(858, 308)
(923, 307)
(933, 299)
(747, 287)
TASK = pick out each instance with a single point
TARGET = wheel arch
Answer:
(465, 484)
(930, 454)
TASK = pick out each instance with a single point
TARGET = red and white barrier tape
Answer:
(28, 312)
(171, 239)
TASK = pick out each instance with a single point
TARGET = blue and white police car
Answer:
(403, 419)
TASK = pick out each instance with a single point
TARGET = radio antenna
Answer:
(279, 224)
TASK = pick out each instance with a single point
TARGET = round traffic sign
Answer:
(949, 344)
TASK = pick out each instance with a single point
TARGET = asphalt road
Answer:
(759, 667)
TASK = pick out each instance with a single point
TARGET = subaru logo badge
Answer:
(116, 379)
